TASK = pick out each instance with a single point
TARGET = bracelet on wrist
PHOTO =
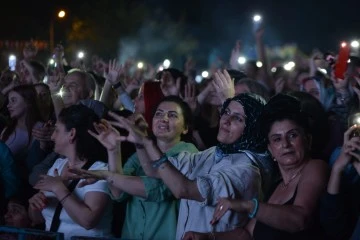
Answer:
(65, 197)
(161, 160)
(256, 208)
(117, 85)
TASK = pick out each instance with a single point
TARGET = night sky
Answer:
(309, 23)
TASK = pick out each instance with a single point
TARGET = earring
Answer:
(274, 159)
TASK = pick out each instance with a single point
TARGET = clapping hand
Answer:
(107, 135)
(89, 176)
(50, 183)
(136, 126)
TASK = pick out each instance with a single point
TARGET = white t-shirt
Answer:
(67, 225)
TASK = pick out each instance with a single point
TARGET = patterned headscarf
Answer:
(251, 139)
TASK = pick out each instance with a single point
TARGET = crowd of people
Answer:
(110, 150)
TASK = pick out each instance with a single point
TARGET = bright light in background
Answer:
(273, 69)
(12, 62)
(61, 14)
(289, 66)
(349, 61)
(12, 58)
(343, 44)
(51, 61)
(355, 44)
(205, 74)
(257, 18)
(166, 63)
(161, 68)
(322, 70)
(198, 79)
(259, 64)
(140, 65)
(241, 60)
(60, 93)
(81, 54)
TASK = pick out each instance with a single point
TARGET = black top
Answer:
(263, 231)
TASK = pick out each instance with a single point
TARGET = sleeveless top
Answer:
(264, 231)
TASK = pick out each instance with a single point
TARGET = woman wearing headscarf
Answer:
(235, 168)
(292, 211)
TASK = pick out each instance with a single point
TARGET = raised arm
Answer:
(260, 47)
(150, 154)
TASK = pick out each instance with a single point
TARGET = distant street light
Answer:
(140, 65)
(257, 18)
(166, 63)
(355, 44)
(61, 14)
(241, 60)
(81, 55)
(205, 74)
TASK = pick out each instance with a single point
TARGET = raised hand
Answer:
(107, 135)
(350, 147)
(279, 85)
(55, 82)
(136, 126)
(58, 53)
(190, 96)
(43, 134)
(115, 70)
(223, 85)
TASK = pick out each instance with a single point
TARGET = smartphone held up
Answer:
(12, 62)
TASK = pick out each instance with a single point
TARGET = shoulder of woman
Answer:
(316, 169)
(98, 165)
(317, 164)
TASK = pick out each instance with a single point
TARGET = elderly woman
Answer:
(231, 169)
(290, 212)
(62, 205)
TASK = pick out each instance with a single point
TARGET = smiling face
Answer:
(287, 143)
(168, 122)
(17, 106)
(74, 89)
(232, 123)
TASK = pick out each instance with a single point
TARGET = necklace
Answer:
(284, 185)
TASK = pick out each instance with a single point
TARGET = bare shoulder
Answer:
(317, 164)
(316, 169)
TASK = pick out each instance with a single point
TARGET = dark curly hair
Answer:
(82, 119)
(283, 107)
